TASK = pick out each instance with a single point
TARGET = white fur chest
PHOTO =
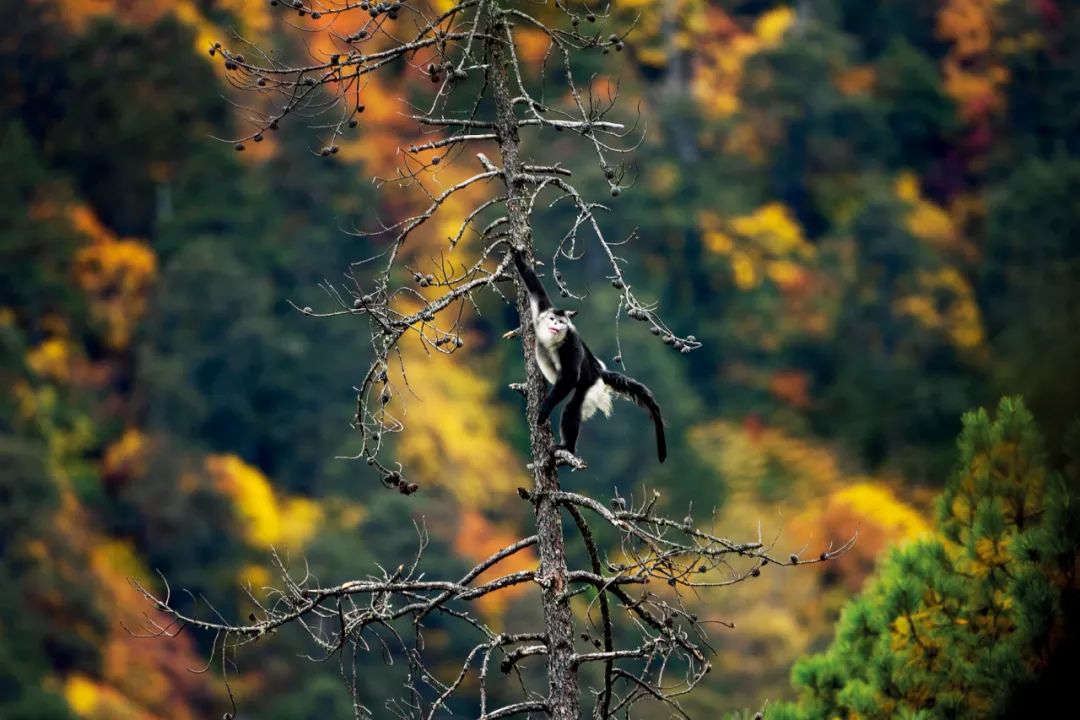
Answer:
(548, 359)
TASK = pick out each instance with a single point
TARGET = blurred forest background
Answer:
(867, 211)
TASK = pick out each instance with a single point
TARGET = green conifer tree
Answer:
(964, 623)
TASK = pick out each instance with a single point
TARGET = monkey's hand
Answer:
(511, 334)
(520, 387)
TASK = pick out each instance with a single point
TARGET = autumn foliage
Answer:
(864, 211)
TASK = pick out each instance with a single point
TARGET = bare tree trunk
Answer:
(459, 40)
(563, 700)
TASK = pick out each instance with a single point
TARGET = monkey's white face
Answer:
(552, 327)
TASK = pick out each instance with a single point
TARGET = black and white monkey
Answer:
(570, 367)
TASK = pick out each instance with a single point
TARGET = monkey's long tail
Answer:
(641, 395)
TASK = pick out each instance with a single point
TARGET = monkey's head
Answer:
(553, 325)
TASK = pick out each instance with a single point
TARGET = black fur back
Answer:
(642, 396)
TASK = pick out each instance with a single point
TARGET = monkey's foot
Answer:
(520, 387)
(561, 457)
(565, 457)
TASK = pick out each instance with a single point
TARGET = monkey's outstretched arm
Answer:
(538, 298)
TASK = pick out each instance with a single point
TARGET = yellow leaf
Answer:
(81, 694)
(52, 359)
(718, 242)
(265, 519)
(127, 457)
(774, 229)
(743, 269)
(784, 273)
(253, 498)
(945, 302)
(115, 274)
(771, 27)
(907, 186)
(455, 434)
(878, 504)
(255, 576)
(121, 560)
(300, 520)
(925, 220)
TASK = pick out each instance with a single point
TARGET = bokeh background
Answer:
(866, 211)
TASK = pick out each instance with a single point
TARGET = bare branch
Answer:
(479, 99)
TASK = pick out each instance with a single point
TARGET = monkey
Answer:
(567, 363)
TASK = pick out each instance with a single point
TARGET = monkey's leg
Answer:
(558, 391)
(570, 423)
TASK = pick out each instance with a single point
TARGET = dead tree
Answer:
(484, 113)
